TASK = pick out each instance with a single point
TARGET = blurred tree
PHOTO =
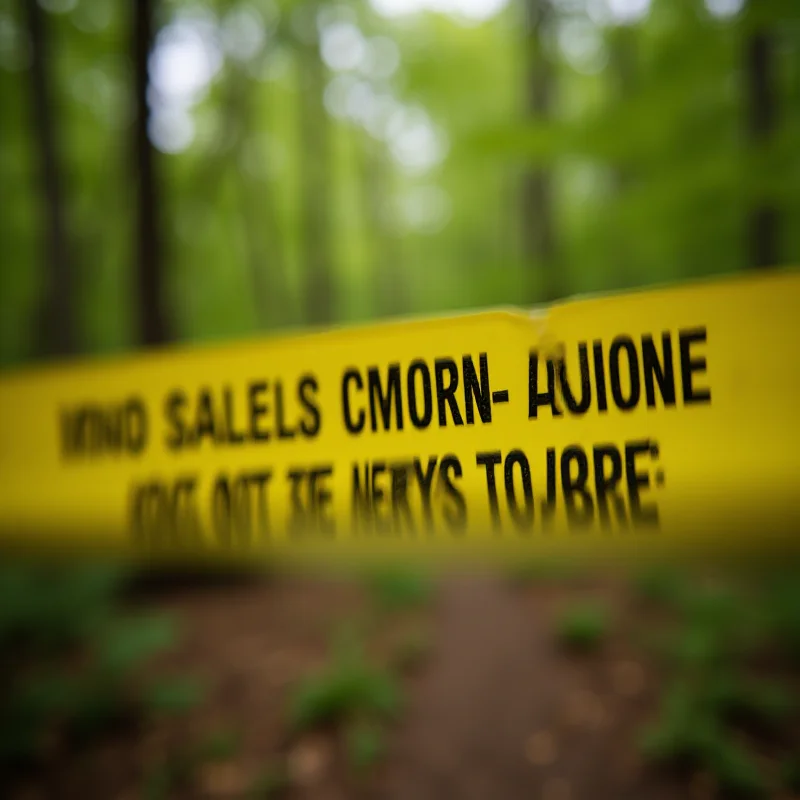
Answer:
(54, 333)
(153, 327)
(761, 110)
(315, 174)
(622, 68)
(368, 162)
(539, 226)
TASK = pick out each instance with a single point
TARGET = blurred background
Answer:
(199, 170)
(194, 171)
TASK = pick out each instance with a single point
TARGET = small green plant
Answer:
(659, 584)
(741, 699)
(270, 784)
(781, 599)
(219, 745)
(582, 627)
(411, 650)
(75, 654)
(790, 774)
(399, 588)
(365, 745)
(349, 687)
(178, 767)
(689, 733)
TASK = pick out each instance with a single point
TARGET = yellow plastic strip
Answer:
(655, 422)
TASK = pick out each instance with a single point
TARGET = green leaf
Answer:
(172, 696)
(130, 642)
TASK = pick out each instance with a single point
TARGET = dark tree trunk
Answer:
(55, 323)
(538, 224)
(764, 221)
(151, 310)
(315, 174)
(623, 73)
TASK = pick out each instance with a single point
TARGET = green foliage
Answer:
(582, 627)
(399, 588)
(781, 598)
(652, 176)
(743, 699)
(219, 745)
(688, 732)
(712, 690)
(411, 650)
(365, 745)
(171, 696)
(660, 584)
(790, 774)
(349, 687)
(72, 655)
(47, 609)
(270, 784)
(178, 767)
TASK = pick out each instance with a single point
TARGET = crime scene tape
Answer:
(650, 422)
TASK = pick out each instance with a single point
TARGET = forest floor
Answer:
(479, 689)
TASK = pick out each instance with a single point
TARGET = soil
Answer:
(496, 711)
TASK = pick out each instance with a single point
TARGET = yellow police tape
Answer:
(653, 422)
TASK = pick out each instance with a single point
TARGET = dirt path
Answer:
(491, 677)
(497, 709)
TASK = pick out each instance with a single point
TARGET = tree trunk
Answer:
(315, 174)
(539, 241)
(55, 323)
(623, 70)
(151, 310)
(761, 112)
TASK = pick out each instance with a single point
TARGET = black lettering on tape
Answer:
(619, 344)
(600, 375)
(574, 486)
(489, 461)
(401, 510)
(446, 393)
(378, 399)
(577, 406)
(607, 476)
(455, 513)
(284, 432)
(233, 436)
(352, 376)
(636, 480)
(307, 395)
(205, 423)
(658, 372)
(258, 409)
(310, 500)
(419, 420)
(522, 515)
(425, 481)
(549, 503)
(692, 365)
(96, 430)
(535, 397)
(476, 392)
